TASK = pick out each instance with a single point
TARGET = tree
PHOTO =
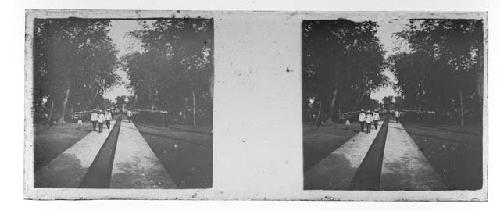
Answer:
(441, 70)
(343, 62)
(74, 62)
(175, 70)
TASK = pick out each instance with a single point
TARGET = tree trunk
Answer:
(72, 112)
(332, 104)
(339, 114)
(194, 109)
(359, 98)
(211, 86)
(92, 100)
(63, 106)
(151, 94)
(318, 118)
(51, 112)
(461, 107)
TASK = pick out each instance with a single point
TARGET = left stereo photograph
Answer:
(122, 103)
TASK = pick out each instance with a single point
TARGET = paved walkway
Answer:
(404, 166)
(135, 165)
(336, 171)
(68, 168)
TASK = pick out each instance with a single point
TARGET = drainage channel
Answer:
(367, 177)
(99, 173)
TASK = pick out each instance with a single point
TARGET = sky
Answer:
(386, 29)
(124, 44)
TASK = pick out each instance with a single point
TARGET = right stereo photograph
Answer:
(393, 104)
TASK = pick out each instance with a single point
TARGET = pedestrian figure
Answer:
(108, 117)
(376, 118)
(80, 123)
(368, 121)
(100, 121)
(347, 124)
(396, 115)
(93, 119)
(129, 115)
(362, 118)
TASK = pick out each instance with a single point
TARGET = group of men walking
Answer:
(367, 118)
(99, 118)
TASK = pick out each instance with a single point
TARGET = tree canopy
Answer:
(343, 62)
(174, 71)
(443, 70)
(74, 62)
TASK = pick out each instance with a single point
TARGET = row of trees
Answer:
(174, 71)
(343, 63)
(443, 71)
(74, 63)
(75, 59)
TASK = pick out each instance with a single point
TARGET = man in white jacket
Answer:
(376, 118)
(129, 115)
(361, 119)
(108, 117)
(396, 115)
(368, 121)
(93, 119)
(100, 121)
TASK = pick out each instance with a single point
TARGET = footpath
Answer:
(404, 166)
(135, 165)
(336, 171)
(118, 157)
(371, 162)
(68, 168)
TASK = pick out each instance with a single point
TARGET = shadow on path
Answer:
(368, 175)
(99, 174)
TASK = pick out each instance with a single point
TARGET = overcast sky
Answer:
(385, 33)
(124, 44)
